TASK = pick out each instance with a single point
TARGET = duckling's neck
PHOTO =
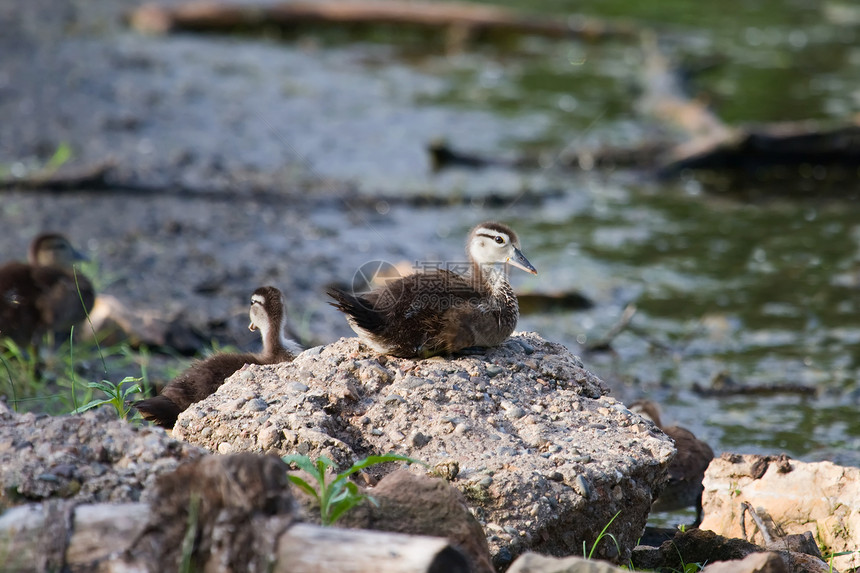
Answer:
(275, 339)
(490, 278)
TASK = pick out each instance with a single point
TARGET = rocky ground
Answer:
(91, 458)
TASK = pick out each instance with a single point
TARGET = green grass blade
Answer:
(373, 460)
(90, 406)
(11, 383)
(304, 486)
(303, 463)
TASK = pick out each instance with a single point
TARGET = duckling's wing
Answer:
(159, 410)
(19, 316)
(65, 299)
(194, 384)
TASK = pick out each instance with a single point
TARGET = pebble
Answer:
(395, 399)
(461, 429)
(256, 405)
(580, 486)
(527, 348)
(493, 370)
(515, 412)
(412, 382)
(418, 439)
(297, 387)
(225, 448)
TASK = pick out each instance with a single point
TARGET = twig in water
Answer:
(604, 344)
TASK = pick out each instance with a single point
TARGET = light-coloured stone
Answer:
(536, 563)
(765, 562)
(356, 401)
(820, 497)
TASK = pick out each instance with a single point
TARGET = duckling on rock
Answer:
(268, 314)
(436, 312)
(44, 294)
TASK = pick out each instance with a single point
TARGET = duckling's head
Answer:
(496, 243)
(53, 250)
(267, 309)
(647, 409)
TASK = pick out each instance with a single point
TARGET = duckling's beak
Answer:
(520, 261)
(252, 327)
(79, 257)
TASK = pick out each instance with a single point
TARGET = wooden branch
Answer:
(664, 97)
(66, 178)
(724, 385)
(215, 16)
(103, 537)
(754, 150)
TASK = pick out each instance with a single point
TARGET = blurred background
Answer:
(198, 163)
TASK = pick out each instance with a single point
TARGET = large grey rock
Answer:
(524, 431)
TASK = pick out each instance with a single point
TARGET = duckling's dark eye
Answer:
(499, 240)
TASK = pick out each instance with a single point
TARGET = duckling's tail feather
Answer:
(359, 311)
(159, 410)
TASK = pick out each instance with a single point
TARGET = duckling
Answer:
(425, 314)
(686, 471)
(44, 294)
(203, 378)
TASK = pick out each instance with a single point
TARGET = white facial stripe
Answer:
(491, 234)
(257, 299)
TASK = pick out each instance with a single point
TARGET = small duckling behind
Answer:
(268, 314)
(686, 471)
(44, 294)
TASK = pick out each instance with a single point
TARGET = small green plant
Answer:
(602, 534)
(340, 495)
(117, 396)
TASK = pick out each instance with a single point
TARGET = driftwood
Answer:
(66, 178)
(713, 145)
(724, 385)
(224, 16)
(102, 536)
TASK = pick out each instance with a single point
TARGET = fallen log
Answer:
(102, 537)
(770, 151)
(224, 16)
(66, 178)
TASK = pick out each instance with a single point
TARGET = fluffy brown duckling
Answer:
(268, 314)
(437, 312)
(686, 471)
(44, 294)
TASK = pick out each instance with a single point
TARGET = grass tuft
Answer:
(340, 495)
